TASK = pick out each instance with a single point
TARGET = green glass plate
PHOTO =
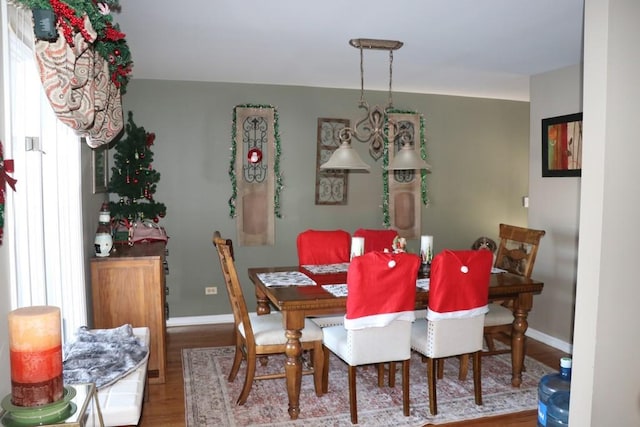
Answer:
(38, 415)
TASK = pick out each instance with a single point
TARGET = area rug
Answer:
(210, 398)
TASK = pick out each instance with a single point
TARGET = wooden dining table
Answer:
(298, 302)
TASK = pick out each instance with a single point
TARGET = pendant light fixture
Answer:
(375, 126)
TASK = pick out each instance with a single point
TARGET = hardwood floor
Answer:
(165, 406)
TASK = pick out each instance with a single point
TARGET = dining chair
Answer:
(316, 247)
(381, 290)
(516, 254)
(458, 301)
(376, 239)
(262, 335)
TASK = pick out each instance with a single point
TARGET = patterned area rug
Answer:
(210, 398)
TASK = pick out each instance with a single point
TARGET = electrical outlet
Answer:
(211, 290)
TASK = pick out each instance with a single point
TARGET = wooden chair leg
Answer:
(491, 346)
(325, 369)
(440, 366)
(392, 374)
(248, 380)
(237, 360)
(380, 367)
(318, 368)
(431, 380)
(353, 402)
(477, 376)
(405, 387)
(464, 367)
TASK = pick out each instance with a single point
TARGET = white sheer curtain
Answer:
(44, 216)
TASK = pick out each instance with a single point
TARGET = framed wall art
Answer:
(99, 166)
(562, 146)
(331, 184)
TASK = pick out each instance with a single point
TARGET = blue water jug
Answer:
(558, 409)
(550, 384)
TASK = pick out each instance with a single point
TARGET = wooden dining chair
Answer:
(262, 335)
(316, 247)
(376, 239)
(458, 301)
(377, 327)
(516, 254)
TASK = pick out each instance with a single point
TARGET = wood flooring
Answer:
(165, 406)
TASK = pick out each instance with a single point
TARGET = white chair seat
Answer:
(447, 337)
(498, 315)
(354, 346)
(268, 330)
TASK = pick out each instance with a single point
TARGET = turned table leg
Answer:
(521, 311)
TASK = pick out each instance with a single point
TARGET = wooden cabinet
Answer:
(128, 286)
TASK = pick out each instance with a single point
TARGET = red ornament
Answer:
(254, 156)
(116, 52)
(162, 214)
(156, 220)
(135, 180)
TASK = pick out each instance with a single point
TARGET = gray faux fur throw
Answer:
(102, 356)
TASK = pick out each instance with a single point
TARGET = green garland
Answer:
(276, 164)
(385, 163)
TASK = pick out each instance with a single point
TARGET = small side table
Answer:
(87, 414)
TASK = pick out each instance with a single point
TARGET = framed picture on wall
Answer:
(99, 167)
(562, 146)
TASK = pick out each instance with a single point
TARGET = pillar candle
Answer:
(426, 248)
(35, 348)
(357, 246)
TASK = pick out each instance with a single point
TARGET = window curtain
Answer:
(44, 215)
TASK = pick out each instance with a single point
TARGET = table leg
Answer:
(293, 323)
(263, 306)
(521, 310)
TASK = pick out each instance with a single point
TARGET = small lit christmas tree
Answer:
(133, 177)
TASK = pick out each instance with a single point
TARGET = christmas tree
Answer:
(133, 177)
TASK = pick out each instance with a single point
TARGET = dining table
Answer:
(298, 299)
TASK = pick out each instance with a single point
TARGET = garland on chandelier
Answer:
(385, 163)
(110, 42)
(276, 162)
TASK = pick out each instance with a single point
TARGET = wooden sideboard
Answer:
(128, 286)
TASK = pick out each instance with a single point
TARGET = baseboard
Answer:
(199, 320)
(228, 318)
(550, 341)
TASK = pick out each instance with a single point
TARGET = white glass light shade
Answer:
(345, 157)
(408, 158)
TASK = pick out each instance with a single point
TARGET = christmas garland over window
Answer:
(276, 162)
(385, 163)
(110, 42)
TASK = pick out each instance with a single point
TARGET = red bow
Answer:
(6, 167)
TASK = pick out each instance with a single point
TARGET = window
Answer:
(44, 216)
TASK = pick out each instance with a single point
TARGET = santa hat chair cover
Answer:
(381, 288)
(376, 240)
(317, 247)
(459, 284)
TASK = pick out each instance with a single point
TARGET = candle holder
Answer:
(425, 269)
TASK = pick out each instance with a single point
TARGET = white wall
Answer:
(554, 207)
(606, 380)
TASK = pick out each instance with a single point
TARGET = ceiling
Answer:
(478, 48)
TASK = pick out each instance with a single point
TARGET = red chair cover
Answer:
(317, 247)
(459, 285)
(376, 240)
(381, 288)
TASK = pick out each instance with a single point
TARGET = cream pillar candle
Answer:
(35, 346)
(357, 246)
(426, 248)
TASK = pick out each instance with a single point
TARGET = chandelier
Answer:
(375, 127)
